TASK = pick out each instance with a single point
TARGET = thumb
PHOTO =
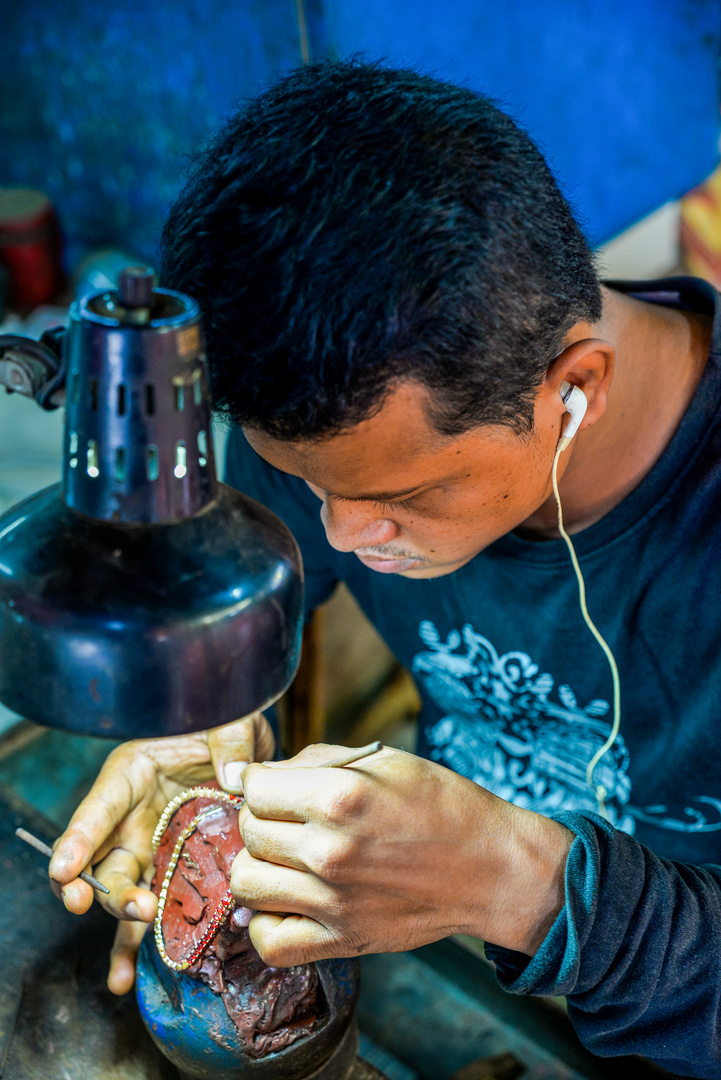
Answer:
(234, 745)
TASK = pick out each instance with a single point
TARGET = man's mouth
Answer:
(385, 564)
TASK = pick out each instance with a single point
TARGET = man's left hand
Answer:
(389, 854)
(112, 829)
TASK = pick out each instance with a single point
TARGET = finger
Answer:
(77, 896)
(284, 793)
(120, 872)
(273, 841)
(264, 738)
(123, 956)
(288, 940)
(234, 745)
(94, 821)
(264, 886)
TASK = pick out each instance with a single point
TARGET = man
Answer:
(394, 292)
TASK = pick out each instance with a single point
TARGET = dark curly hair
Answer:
(355, 226)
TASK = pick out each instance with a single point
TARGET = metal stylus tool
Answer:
(353, 755)
(45, 849)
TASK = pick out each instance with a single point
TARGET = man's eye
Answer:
(404, 504)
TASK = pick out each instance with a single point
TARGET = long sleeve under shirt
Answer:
(516, 696)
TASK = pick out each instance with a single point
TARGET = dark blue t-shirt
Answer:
(516, 697)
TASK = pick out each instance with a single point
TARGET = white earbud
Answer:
(576, 404)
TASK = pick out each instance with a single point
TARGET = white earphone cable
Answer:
(600, 791)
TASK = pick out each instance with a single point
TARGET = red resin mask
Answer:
(201, 930)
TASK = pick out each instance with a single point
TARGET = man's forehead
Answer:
(392, 454)
(387, 455)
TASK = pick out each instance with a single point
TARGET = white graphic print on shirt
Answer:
(505, 728)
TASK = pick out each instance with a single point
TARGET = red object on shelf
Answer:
(30, 246)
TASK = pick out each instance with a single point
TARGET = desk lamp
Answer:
(140, 596)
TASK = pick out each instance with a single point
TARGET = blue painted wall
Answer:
(100, 104)
(621, 95)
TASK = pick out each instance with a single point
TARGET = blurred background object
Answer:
(701, 229)
(29, 247)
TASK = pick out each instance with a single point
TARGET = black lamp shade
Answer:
(141, 597)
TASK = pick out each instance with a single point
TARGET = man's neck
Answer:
(660, 357)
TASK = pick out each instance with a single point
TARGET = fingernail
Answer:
(230, 775)
(131, 910)
(242, 916)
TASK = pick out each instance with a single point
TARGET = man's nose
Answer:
(349, 525)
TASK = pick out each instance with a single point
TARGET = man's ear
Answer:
(589, 365)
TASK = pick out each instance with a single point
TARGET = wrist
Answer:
(526, 893)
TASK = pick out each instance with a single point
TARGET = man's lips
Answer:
(386, 565)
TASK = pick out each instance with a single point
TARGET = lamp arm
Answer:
(35, 369)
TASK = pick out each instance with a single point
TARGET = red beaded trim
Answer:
(218, 918)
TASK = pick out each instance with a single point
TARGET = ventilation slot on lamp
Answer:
(152, 465)
(93, 467)
(120, 470)
(202, 449)
(181, 460)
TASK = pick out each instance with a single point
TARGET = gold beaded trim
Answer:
(188, 796)
(223, 909)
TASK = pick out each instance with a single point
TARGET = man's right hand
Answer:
(112, 829)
